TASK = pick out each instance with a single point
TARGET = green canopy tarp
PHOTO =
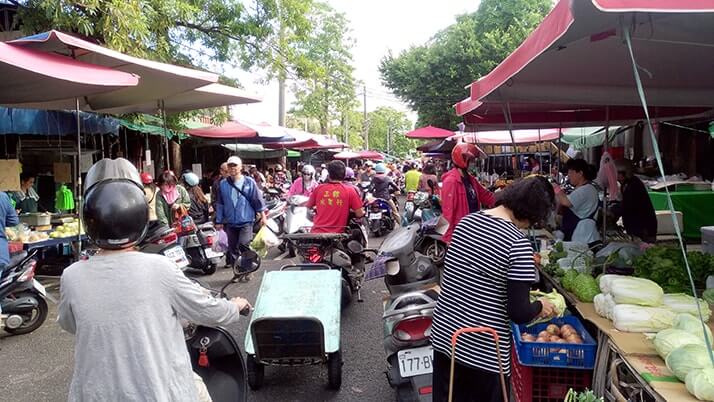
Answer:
(254, 151)
(151, 125)
(588, 137)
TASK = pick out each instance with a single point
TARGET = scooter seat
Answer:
(17, 259)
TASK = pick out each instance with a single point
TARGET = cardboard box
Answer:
(655, 372)
(10, 174)
(62, 172)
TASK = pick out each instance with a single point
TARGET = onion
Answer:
(566, 332)
(561, 340)
(543, 334)
(574, 338)
(528, 337)
(567, 327)
(552, 329)
(541, 340)
(554, 338)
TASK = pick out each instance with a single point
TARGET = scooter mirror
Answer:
(355, 247)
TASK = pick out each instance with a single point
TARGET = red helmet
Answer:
(463, 153)
(146, 178)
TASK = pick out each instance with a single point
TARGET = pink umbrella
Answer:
(229, 130)
(346, 155)
(429, 132)
(30, 76)
(371, 155)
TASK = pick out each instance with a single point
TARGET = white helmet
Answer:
(308, 170)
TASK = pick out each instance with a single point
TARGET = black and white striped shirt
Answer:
(485, 253)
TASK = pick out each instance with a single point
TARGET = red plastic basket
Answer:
(14, 247)
(545, 384)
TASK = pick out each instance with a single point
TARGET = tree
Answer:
(387, 127)
(431, 77)
(328, 89)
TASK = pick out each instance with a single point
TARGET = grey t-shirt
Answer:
(124, 310)
(585, 203)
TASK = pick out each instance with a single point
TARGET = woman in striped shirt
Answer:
(487, 278)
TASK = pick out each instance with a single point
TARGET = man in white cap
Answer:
(324, 175)
(238, 202)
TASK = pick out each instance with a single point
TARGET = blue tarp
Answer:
(49, 122)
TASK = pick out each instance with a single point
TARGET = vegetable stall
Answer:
(651, 345)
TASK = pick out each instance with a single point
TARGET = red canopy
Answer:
(504, 137)
(229, 130)
(346, 155)
(371, 155)
(578, 57)
(158, 80)
(31, 76)
(429, 132)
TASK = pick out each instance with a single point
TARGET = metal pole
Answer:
(604, 198)
(507, 112)
(166, 134)
(79, 181)
(540, 154)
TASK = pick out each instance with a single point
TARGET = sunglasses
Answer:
(232, 165)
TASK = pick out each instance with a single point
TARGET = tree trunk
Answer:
(176, 165)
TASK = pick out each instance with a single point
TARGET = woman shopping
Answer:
(171, 198)
(486, 283)
(200, 207)
(581, 206)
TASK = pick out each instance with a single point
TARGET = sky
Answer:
(377, 27)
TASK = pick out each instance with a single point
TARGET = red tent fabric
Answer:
(577, 62)
(33, 76)
(504, 137)
(371, 155)
(429, 132)
(229, 130)
(346, 155)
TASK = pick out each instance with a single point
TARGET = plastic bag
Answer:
(220, 243)
(258, 244)
(269, 237)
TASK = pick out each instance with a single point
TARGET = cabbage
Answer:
(708, 295)
(569, 279)
(630, 318)
(691, 324)
(600, 306)
(686, 358)
(554, 297)
(700, 383)
(642, 292)
(683, 303)
(606, 280)
(670, 339)
(585, 287)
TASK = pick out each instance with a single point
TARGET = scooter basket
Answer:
(288, 340)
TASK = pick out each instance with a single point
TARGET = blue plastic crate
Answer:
(551, 354)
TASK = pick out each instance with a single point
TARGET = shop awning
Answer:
(158, 80)
(304, 141)
(346, 155)
(151, 125)
(239, 131)
(45, 122)
(254, 151)
(429, 132)
(588, 137)
(504, 137)
(29, 76)
(578, 57)
(371, 155)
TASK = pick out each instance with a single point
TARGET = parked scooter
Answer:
(161, 239)
(216, 357)
(379, 217)
(197, 242)
(411, 279)
(23, 307)
(430, 239)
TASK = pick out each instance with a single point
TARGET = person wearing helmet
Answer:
(305, 184)
(462, 194)
(150, 192)
(199, 209)
(411, 178)
(279, 177)
(171, 198)
(125, 307)
(350, 180)
(638, 214)
(382, 187)
(333, 202)
(239, 201)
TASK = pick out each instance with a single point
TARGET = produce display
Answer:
(70, 229)
(555, 334)
(665, 266)
(554, 297)
(585, 396)
(22, 233)
(632, 318)
(700, 383)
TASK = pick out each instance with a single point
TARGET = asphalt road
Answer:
(38, 366)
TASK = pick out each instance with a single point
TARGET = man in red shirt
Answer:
(333, 201)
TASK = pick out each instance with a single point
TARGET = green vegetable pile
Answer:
(568, 280)
(585, 396)
(553, 268)
(585, 287)
(665, 266)
(708, 296)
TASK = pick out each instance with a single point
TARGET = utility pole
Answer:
(347, 127)
(389, 138)
(366, 123)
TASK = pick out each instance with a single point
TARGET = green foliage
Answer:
(387, 122)
(431, 77)
(665, 266)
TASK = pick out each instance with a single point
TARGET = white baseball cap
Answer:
(234, 160)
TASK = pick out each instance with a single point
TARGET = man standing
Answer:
(8, 218)
(411, 178)
(237, 203)
(638, 214)
(333, 201)
(223, 173)
(324, 175)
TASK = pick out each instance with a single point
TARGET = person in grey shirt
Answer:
(125, 307)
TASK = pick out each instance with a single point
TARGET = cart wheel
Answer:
(256, 373)
(346, 293)
(210, 269)
(334, 370)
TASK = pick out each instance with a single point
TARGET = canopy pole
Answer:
(560, 160)
(604, 198)
(509, 123)
(79, 181)
(540, 154)
(162, 107)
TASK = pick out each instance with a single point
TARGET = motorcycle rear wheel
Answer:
(39, 315)
(346, 298)
(256, 373)
(334, 370)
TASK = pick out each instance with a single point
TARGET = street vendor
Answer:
(638, 214)
(581, 206)
(27, 198)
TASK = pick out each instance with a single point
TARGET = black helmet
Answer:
(115, 211)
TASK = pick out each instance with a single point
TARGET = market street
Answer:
(38, 366)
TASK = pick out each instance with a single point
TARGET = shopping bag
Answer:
(220, 243)
(269, 237)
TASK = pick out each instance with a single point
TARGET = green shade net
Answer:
(293, 154)
(587, 137)
(151, 125)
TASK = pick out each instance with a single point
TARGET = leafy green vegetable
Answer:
(559, 247)
(665, 266)
(585, 396)
(700, 383)
(708, 296)
(585, 287)
(685, 358)
(569, 279)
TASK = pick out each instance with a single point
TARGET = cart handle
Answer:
(462, 331)
(305, 267)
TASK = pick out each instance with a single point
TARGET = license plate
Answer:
(40, 287)
(178, 256)
(415, 361)
(212, 254)
(375, 215)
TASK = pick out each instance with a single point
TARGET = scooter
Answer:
(199, 252)
(379, 217)
(217, 358)
(411, 279)
(161, 239)
(429, 240)
(23, 307)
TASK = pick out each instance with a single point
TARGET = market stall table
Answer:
(51, 242)
(696, 207)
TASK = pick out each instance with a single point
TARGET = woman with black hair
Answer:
(486, 283)
(580, 207)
